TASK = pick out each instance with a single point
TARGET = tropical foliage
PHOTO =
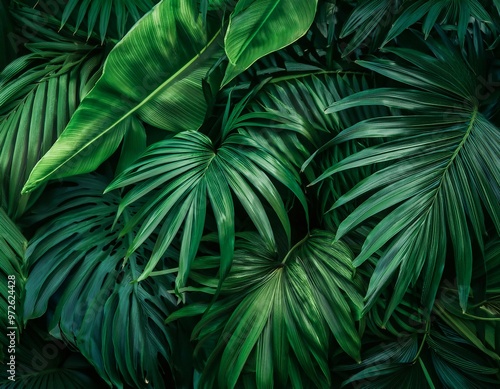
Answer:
(250, 194)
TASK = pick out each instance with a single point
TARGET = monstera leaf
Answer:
(276, 315)
(77, 271)
(154, 73)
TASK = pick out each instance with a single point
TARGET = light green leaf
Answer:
(259, 27)
(140, 79)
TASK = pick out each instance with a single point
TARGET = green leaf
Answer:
(98, 14)
(13, 272)
(45, 362)
(272, 310)
(443, 174)
(141, 80)
(458, 13)
(38, 94)
(76, 266)
(364, 20)
(187, 168)
(259, 27)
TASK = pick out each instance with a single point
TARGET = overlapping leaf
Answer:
(276, 315)
(99, 15)
(444, 177)
(187, 169)
(367, 20)
(155, 74)
(12, 264)
(287, 118)
(45, 362)
(438, 358)
(77, 269)
(38, 94)
(459, 13)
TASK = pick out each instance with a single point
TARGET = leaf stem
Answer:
(295, 247)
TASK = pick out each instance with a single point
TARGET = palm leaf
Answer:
(259, 27)
(444, 175)
(458, 13)
(77, 269)
(12, 268)
(98, 14)
(140, 80)
(186, 169)
(38, 94)
(434, 358)
(7, 47)
(45, 362)
(480, 325)
(287, 118)
(366, 20)
(276, 315)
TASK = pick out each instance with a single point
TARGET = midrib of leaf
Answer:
(257, 30)
(158, 90)
(455, 154)
(445, 172)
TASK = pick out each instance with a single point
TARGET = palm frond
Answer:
(287, 118)
(366, 23)
(459, 13)
(77, 270)
(109, 18)
(436, 358)
(186, 169)
(12, 268)
(38, 94)
(276, 316)
(443, 180)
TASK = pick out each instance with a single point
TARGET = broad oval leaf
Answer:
(259, 27)
(154, 73)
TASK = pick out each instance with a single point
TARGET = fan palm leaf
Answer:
(77, 248)
(186, 169)
(277, 314)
